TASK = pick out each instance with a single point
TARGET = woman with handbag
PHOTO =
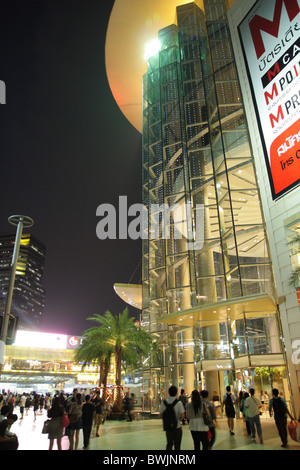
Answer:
(56, 429)
(197, 415)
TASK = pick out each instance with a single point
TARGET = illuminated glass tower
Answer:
(29, 293)
(212, 306)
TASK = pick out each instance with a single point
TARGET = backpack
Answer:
(279, 408)
(169, 416)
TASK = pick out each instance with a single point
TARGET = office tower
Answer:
(211, 304)
(29, 293)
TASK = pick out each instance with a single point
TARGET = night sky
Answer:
(65, 149)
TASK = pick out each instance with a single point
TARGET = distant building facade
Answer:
(28, 301)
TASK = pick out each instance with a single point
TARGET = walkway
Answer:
(147, 434)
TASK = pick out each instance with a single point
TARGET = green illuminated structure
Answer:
(213, 310)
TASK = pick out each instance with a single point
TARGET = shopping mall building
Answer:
(220, 182)
(45, 362)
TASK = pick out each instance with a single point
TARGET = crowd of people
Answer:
(201, 415)
(82, 412)
(68, 415)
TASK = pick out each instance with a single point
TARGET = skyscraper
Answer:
(211, 303)
(29, 292)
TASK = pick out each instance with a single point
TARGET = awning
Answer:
(131, 294)
(252, 306)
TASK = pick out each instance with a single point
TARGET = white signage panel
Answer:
(270, 38)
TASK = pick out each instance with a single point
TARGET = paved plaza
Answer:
(147, 434)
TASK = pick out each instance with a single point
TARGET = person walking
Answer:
(56, 429)
(22, 403)
(279, 406)
(98, 414)
(244, 411)
(239, 403)
(254, 405)
(87, 420)
(172, 427)
(128, 405)
(36, 401)
(42, 402)
(213, 415)
(48, 402)
(184, 400)
(217, 403)
(194, 413)
(228, 402)
(11, 402)
(75, 413)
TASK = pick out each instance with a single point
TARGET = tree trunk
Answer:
(101, 373)
(118, 399)
(105, 374)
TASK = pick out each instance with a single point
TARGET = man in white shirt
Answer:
(22, 404)
(253, 405)
(173, 435)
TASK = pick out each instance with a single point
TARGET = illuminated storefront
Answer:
(45, 362)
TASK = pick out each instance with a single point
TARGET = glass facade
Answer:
(209, 304)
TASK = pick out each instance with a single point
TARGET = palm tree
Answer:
(119, 336)
(92, 351)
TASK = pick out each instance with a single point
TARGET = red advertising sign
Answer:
(270, 38)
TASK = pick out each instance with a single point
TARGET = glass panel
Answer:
(236, 144)
(228, 92)
(173, 156)
(263, 335)
(210, 289)
(158, 308)
(179, 299)
(178, 271)
(214, 342)
(200, 162)
(174, 181)
(209, 259)
(157, 283)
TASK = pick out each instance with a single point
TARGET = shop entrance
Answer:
(262, 379)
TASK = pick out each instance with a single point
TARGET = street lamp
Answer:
(19, 221)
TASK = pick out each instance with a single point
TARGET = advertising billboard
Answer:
(270, 39)
(35, 339)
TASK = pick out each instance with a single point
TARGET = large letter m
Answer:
(258, 24)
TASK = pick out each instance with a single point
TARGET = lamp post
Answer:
(19, 221)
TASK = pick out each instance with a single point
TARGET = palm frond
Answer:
(294, 280)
